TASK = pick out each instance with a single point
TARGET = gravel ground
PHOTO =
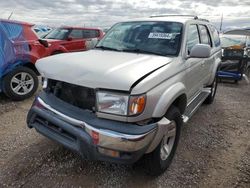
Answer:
(214, 151)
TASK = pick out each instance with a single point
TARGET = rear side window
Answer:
(216, 37)
(205, 37)
(90, 33)
(193, 37)
(76, 34)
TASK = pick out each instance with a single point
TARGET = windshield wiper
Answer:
(107, 48)
(137, 50)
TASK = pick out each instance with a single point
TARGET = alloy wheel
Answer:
(22, 83)
(168, 141)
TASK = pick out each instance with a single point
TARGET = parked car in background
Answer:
(236, 41)
(71, 39)
(130, 95)
(20, 49)
(41, 30)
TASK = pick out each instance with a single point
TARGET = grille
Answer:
(56, 129)
(82, 97)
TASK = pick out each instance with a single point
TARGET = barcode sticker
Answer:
(167, 36)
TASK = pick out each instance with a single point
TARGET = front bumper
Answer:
(91, 137)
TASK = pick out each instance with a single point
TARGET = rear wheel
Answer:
(160, 159)
(20, 84)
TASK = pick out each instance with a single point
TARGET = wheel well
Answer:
(181, 103)
(32, 67)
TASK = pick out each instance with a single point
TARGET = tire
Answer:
(20, 84)
(156, 161)
(213, 88)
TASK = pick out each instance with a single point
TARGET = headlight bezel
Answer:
(130, 99)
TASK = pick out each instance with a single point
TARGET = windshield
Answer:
(233, 40)
(162, 38)
(59, 34)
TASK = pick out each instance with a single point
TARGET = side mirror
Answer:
(200, 51)
(44, 42)
(70, 38)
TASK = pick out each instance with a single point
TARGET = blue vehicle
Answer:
(19, 50)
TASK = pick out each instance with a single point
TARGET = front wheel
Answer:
(160, 159)
(20, 84)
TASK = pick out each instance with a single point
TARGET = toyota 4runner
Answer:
(129, 97)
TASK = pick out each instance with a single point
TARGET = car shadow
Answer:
(4, 98)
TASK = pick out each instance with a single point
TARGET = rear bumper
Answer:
(123, 145)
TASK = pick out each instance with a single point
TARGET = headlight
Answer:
(112, 103)
(120, 104)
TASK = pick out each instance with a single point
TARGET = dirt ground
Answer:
(214, 151)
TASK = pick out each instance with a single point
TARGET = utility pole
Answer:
(221, 21)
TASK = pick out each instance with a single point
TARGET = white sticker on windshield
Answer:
(167, 36)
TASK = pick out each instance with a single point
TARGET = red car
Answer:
(19, 49)
(71, 39)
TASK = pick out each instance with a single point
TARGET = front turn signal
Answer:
(137, 104)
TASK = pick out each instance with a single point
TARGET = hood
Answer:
(100, 68)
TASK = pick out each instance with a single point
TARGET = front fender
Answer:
(167, 98)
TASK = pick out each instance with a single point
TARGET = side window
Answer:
(87, 33)
(193, 37)
(76, 34)
(216, 36)
(204, 34)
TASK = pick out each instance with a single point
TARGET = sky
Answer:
(104, 13)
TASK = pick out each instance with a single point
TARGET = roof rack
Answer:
(174, 15)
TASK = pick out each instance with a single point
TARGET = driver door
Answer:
(194, 66)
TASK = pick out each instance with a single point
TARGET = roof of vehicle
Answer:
(88, 28)
(238, 32)
(172, 18)
(17, 22)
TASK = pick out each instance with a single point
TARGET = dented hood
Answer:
(100, 68)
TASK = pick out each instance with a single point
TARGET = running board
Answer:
(195, 104)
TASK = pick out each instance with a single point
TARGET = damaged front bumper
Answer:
(92, 137)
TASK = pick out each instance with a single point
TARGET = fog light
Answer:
(109, 152)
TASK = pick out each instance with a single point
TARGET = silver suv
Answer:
(129, 97)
